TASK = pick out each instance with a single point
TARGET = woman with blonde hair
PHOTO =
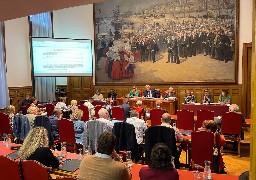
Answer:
(73, 105)
(78, 125)
(36, 147)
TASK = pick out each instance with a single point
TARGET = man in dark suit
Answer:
(149, 92)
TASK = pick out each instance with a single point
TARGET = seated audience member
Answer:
(26, 101)
(78, 125)
(235, 108)
(140, 110)
(61, 104)
(112, 94)
(98, 95)
(210, 126)
(90, 107)
(104, 164)
(169, 93)
(160, 166)
(126, 108)
(158, 104)
(36, 147)
(34, 102)
(104, 117)
(189, 98)
(207, 97)
(73, 105)
(134, 92)
(224, 98)
(56, 115)
(108, 107)
(166, 120)
(31, 115)
(139, 124)
(10, 111)
(149, 93)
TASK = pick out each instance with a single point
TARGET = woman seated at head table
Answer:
(207, 97)
(224, 98)
(211, 126)
(98, 95)
(160, 165)
(78, 125)
(36, 147)
(134, 92)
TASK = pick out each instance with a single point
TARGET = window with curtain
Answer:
(44, 87)
(4, 97)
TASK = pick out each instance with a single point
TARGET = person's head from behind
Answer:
(210, 126)
(161, 158)
(32, 110)
(134, 113)
(224, 92)
(57, 112)
(106, 143)
(233, 108)
(36, 138)
(73, 102)
(139, 103)
(166, 118)
(76, 114)
(63, 99)
(103, 113)
(10, 109)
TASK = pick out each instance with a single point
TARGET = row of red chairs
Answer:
(25, 170)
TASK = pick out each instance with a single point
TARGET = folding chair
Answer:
(97, 108)
(49, 109)
(185, 120)
(118, 113)
(85, 110)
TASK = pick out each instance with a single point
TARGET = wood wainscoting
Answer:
(17, 94)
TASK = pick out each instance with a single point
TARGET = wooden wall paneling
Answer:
(87, 90)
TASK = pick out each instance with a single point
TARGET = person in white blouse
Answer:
(104, 117)
(90, 107)
(139, 124)
(61, 104)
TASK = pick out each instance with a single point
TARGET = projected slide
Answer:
(62, 57)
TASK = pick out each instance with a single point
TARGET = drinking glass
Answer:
(129, 159)
(197, 173)
(63, 149)
(80, 156)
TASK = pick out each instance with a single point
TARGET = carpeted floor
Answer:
(234, 164)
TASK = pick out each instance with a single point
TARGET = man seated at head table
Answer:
(169, 93)
(112, 94)
(134, 92)
(26, 101)
(207, 97)
(189, 98)
(149, 93)
(105, 163)
(98, 95)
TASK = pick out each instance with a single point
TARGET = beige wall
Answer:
(77, 22)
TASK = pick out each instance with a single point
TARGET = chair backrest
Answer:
(118, 113)
(160, 134)
(32, 170)
(202, 147)
(85, 110)
(5, 127)
(49, 109)
(97, 108)
(9, 169)
(231, 123)
(203, 115)
(66, 131)
(156, 116)
(185, 120)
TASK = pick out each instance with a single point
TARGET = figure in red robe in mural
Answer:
(116, 68)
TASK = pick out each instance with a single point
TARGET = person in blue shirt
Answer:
(78, 125)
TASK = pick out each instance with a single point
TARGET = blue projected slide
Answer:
(62, 57)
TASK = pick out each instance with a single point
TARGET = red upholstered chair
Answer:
(5, 127)
(202, 147)
(66, 132)
(155, 116)
(85, 110)
(203, 115)
(118, 113)
(49, 109)
(185, 120)
(32, 170)
(9, 169)
(232, 124)
(97, 108)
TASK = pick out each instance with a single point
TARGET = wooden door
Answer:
(87, 87)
